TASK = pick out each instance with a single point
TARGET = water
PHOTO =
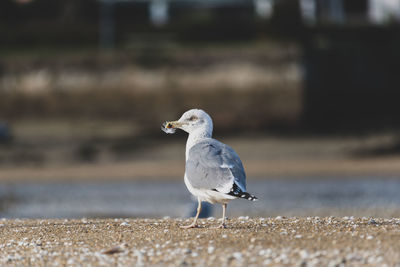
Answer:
(366, 196)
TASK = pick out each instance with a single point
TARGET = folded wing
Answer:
(215, 166)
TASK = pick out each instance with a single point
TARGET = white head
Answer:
(192, 121)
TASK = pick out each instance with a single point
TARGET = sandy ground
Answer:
(278, 241)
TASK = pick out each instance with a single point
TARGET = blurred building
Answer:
(351, 63)
(358, 11)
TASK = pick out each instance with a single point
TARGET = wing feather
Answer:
(215, 166)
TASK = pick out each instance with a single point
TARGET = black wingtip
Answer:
(244, 195)
(247, 196)
(237, 192)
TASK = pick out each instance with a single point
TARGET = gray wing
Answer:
(214, 165)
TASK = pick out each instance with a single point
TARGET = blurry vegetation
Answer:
(252, 87)
(87, 152)
(222, 59)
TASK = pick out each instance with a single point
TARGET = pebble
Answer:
(304, 254)
(186, 251)
(267, 262)
(237, 255)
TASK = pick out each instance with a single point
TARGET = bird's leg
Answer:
(194, 223)
(222, 225)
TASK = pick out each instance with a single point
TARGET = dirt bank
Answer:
(309, 241)
(72, 158)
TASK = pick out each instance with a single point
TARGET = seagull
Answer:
(213, 172)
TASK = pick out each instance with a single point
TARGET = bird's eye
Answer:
(193, 118)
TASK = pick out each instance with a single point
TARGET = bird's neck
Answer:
(195, 137)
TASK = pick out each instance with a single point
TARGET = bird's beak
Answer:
(173, 124)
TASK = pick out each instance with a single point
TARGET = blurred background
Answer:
(306, 91)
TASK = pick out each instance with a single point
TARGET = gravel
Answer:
(304, 241)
